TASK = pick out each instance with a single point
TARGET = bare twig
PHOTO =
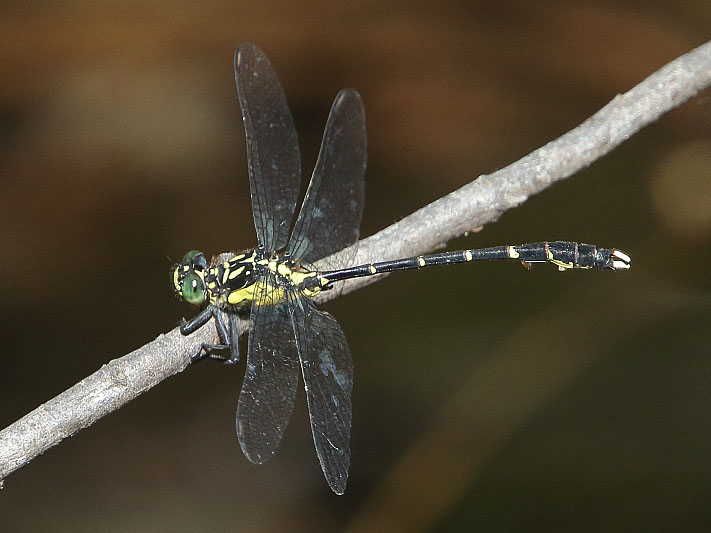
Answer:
(480, 202)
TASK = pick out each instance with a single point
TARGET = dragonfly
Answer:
(274, 284)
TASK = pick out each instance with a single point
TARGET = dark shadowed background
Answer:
(486, 396)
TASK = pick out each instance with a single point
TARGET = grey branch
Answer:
(478, 203)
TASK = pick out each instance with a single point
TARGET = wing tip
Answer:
(252, 456)
(338, 483)
(247, 446)
(345, 95)
(245, 51)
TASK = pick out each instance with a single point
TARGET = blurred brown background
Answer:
(486, 396)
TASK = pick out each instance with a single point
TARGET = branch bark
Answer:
(482, 201)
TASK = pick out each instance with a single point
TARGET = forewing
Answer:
(269, 387)
(327, 369)
(329, 219)
(272, 146)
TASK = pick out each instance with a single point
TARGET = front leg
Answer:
(206, 350)
(234, 339)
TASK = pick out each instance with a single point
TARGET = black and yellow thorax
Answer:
(232, 284)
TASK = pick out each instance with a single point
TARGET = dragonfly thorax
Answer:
(233, 284)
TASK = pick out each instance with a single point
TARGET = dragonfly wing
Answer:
(269, 387)
(329, 219)
(272, 146)
(327, 369)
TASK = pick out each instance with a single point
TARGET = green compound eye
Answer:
(192, 254)
(193, 289)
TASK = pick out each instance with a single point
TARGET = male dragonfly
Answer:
(274, 283)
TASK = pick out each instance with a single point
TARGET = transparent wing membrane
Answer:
(327, 369)
(269, 387)
(287, 328)
(272, 146)
(329, 220)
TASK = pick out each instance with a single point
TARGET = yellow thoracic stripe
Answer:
(239, 296)
(236, 272)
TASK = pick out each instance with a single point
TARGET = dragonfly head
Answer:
(189, 277)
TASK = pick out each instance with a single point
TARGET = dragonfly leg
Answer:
(207, 350)
(233, 340)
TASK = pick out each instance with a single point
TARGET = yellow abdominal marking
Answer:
(562, 265)
(513, 254)
(297, 278)
(468, 255)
